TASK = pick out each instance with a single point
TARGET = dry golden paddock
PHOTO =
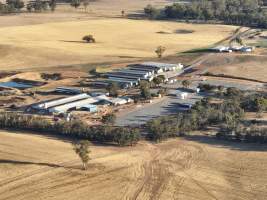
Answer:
(36, 167)
(54, 44)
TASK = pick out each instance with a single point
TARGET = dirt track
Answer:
(34, 167)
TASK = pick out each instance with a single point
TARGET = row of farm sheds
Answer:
(134, 73)
(82, 101)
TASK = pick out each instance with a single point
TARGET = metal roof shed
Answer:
(61, 101)
(90, 107)
(72, 105)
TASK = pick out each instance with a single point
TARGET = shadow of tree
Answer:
(233, 145)
(17, 162)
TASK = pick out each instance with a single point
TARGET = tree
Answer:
(82, 150)
(89, 38)
(186, 83)
(113, 89)
(85, 4)
(53, 5)
(75, 3)
(151, 12)
(157, 81)
(160, 51)
(109, 118)
(123, 13)
(145, 90)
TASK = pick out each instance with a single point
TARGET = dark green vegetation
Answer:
(237, 12)
(109, 119)
(75, 129)
(81, 148)
(89, 39)
(227, 114)
(14, 6)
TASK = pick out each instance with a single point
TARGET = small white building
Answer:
(182, 95)
(246, 49)
(179, 94)
(222, 49)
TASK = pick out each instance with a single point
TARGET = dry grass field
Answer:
(36, 167)
(251, 66)
(56, 44)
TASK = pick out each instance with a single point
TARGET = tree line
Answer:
(237, 12)
(13, 6)
(227, 115)
(76, 129)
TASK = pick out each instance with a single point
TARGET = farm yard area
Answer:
(129, 99)
(177, 169)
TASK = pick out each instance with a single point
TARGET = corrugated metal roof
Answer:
(62, 101)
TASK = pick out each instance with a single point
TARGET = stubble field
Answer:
(36, 167)
(60, 43)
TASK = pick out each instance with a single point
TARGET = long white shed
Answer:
(58, 102)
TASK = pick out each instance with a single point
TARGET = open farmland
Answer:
(245, 66)
(200, 169)
(55, 44)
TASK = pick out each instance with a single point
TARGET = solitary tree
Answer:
(81, 148)
(186, 83)
(89, 38)
(160, 51)
(122, 13)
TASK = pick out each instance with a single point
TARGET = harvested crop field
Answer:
(117, 39)
(36, 167)
(244, 66)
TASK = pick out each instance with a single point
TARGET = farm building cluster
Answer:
(230, 49)
(81, 101)
(134, 73)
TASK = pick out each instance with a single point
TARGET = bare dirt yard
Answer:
(37, 167)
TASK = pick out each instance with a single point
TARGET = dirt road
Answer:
(35, 167)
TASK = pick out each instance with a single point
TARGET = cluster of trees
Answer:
(12, 6)
(39, 6)
(239, 133)
(227, 115)
(77, 3)
(202, 114)
(77, 129)
(239, 12)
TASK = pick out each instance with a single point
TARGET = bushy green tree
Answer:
(17, 4)
(145, 90)
(113, 89)
(109, 118)
(81, 148)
